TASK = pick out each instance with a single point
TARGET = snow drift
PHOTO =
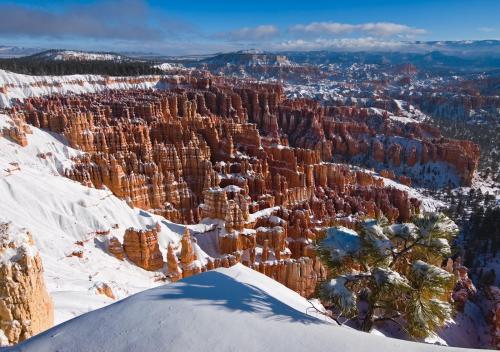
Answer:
(234, 309)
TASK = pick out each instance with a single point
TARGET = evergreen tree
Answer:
(36, 66)
(393, 271)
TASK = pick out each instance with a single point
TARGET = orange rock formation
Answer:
(212, 147)
(25, 306)
(141, 247)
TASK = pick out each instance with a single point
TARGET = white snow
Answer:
(234, 309)
(17, 242)
(388, 276)
(428, 204)
(403, 119)
(341, 241)
(4, 341)
(66, 55)
(19, 86)
(407, 231)
(59, 212)
(424, 269)
(232, 188)
(337, 289)
(375, 235)
(261, 213)
(486, 187)
(169, 66)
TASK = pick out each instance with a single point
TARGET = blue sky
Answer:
(193, 27)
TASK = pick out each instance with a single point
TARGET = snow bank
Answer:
(221, 310)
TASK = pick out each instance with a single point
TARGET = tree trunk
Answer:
(368, 320)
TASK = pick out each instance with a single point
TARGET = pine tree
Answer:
(392, 270)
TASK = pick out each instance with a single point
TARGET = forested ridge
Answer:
(39, 67)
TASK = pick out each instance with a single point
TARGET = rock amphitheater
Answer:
(242, 157)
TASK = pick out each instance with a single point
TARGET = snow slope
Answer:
(234, 309)
(428, 204)
(59, 212)
(19, 86)
(67, 55)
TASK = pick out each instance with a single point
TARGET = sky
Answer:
(201, 27)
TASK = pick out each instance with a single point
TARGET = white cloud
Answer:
(486, 29)
(323, 27)
(366, 43)
(319, 35)
(385, 29)
(250, 33)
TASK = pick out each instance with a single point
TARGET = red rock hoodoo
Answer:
(141, 247)
(241, 154)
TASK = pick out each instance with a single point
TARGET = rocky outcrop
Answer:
(25, 306)
(115, 248)
(103, 288)
(464, 288)
(275, 237)
(141, 247)
(350, 134)
(236, 242)
(301, 275)
(17, 131)
(174, 272)
(218, 205)
(189, 263)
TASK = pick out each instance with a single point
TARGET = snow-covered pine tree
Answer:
(385, 272)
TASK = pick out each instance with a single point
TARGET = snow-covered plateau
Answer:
(19, 86)
(65, 55)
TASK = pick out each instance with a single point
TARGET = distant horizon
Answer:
(199, 27)
(405, 47)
